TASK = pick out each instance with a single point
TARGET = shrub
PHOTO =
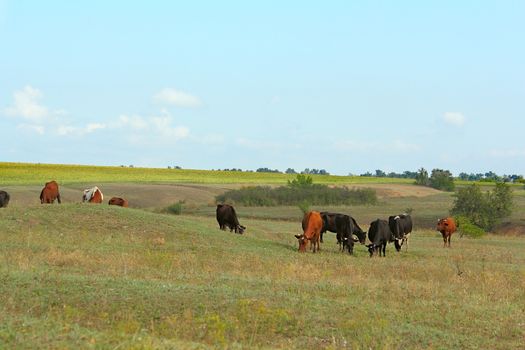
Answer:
(294, 195)
(484, 210)
(304, 206)
(467, 227)
(441, 180)
(175, 208)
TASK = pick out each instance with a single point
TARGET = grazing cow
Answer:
(344, 226)
(49, 193)
(93, 195)
(312, 225)
(379, 234)
(447, 226)
(401, 227)
(226, 217)
(118, 201)
(4, 199)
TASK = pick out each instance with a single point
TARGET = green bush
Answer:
(467, 227)
(294, 195)
(484, 210)
(175, 208)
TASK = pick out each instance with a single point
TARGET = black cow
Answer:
(401, 226)
(344, 226)
(379, 234)
(4, 199)
(226, 217)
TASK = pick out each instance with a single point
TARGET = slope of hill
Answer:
(94, 276)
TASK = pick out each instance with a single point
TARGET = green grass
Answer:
(32, 174)
(95, 276)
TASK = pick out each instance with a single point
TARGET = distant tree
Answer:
(441, 180)
(290, 171)
(485, 210)
(380, 173)
(422, 177)
(368, 174)
(267, 170)
(463, 176)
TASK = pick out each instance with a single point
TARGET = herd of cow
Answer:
(397, 229)
(50, 193)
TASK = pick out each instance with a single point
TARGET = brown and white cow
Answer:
(49, 193)
(93, 195)
(118, 201)
(447, 226)
(312, 225)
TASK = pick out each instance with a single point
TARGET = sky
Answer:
(345, 86)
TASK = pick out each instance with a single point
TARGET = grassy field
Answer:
(36, 174)
(95, 276)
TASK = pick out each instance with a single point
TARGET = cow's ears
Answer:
(298, 236)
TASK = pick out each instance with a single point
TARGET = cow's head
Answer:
(303, 241)
(371, 249)
(398, 243)
(442, 224)
(240, 229)
(348, 243)
(362, 236)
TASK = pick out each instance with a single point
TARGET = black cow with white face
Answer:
(401, 227)
(344, 227)
(4, 199)
(226, 217)
(379, 234)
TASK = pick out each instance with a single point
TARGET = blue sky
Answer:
(347, 86)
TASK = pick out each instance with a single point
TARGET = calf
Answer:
(226, 217)
(401, 227)
(4, 199)
(118, 201)
(312, 225)
(379, 234)
(447, 226)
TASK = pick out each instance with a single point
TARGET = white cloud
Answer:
(177, 98)
(32, 128)
(154, 126)
(64, 130)
(135, 122)
(40, 120)
(26, 105)
(508, 153)
(163, 127)
(454, 118)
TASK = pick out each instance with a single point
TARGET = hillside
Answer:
(93, 276)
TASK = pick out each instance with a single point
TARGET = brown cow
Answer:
(447, 226)
(49, 193)
(118, 201)
(93, 195)
(313, 224)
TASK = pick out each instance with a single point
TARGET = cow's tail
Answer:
(42, 196)
(58, 198)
